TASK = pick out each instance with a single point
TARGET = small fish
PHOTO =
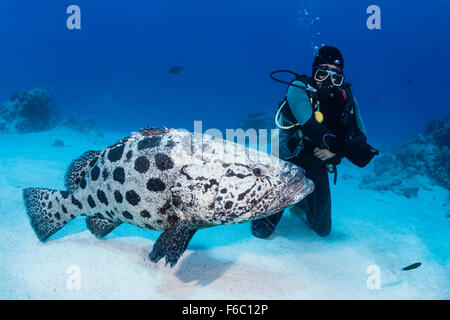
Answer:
(408, 81)
(412, 266)
(176, 69)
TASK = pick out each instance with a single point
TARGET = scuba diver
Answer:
(320, 124)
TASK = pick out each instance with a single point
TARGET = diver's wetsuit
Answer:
(318, 203)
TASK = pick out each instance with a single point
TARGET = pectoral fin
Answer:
(172, 243)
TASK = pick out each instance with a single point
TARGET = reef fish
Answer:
(168, 180)
(176, 69)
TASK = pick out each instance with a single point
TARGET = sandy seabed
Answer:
(226, 262)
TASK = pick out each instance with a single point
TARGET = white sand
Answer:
(226, 262)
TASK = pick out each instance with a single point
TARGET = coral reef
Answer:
(28, 111)
(427, 155)
(32, 111)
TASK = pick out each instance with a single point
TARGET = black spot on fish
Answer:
(116, 153)
(147, 226)
(95, 173)
(127, 215)
(228, 204)
(170, 144)
(83, 183)
(155, 185)
(57, 216)
(91, 201)
(93, 161)
(63, 208)
(102, 197)
(224, 190)
(212, 182)
(46, 197)
(132, 197)
(64, 194)
(149, 142)
(141, 164)
(50, 205)
(128, 155)
(118, 196)
(219, 198)
(76, 203)
(99, 215)
(110, 214)
(105, 174)
(163, 162)
(164, 208)
(119, 175)
(172, 219)
(145, 214)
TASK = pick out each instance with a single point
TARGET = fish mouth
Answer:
(294, 191)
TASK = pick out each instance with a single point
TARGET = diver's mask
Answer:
(329, 76)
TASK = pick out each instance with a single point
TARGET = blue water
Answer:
(116, 67)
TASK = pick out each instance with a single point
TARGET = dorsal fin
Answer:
(78, 169)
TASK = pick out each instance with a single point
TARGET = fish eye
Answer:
(258, 172)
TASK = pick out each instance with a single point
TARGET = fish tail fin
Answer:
(45, 211)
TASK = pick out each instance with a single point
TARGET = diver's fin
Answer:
(45, 211)
(78, 169)
(100, 227)
(171, 243)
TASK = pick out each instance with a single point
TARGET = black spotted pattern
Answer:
(128, 155)
(145, 214)
(119, 175)
(127, 215)
(118, 196)
(95, 173)
(163, 162)
(102, 197)
(132, 197)
(116, 153)
(141, 164)
(228, 204)
(155, 185)
(91, 201)
(83, 183)
(150, 142)
(76, 202)
(105, 174)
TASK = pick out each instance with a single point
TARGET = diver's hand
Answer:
(323, 154)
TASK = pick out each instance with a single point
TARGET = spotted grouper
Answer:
(171, 181)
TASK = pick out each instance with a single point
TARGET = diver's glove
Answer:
(356, 150)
